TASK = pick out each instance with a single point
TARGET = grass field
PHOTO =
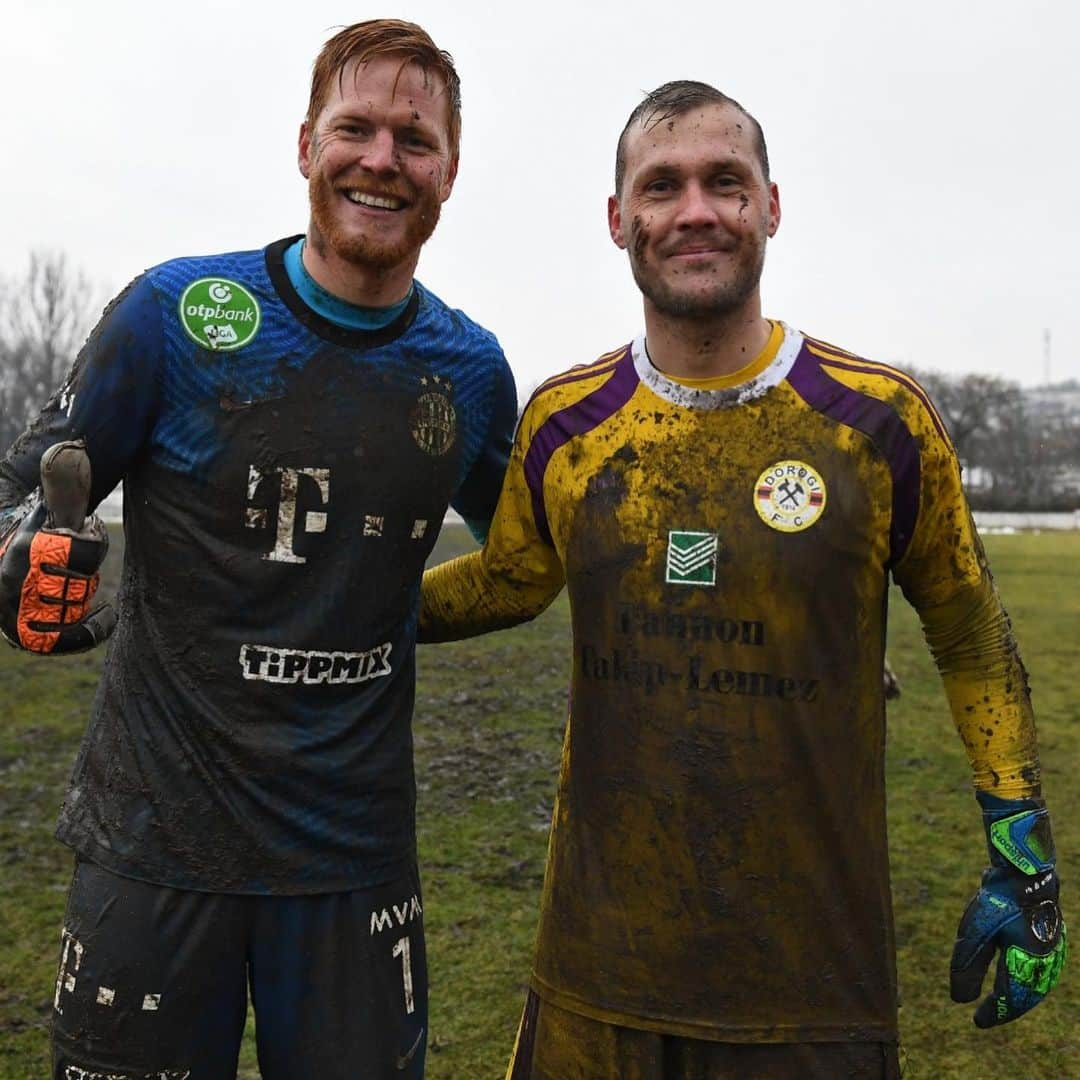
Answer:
(488, 730)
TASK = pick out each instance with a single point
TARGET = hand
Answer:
(49, 567)
(1015, 912)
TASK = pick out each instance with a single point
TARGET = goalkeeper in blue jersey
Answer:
(290, 425)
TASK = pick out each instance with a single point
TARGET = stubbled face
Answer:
(379, 164)
(695, 212)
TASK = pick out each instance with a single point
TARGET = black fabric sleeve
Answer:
(109, 399)
(478, 495)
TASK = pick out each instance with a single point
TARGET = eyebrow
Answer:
(665, 168)
(411, 122)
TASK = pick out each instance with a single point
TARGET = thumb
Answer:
(88, 632)
(65, 484)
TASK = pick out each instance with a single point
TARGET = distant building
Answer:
(1058, 402)
(1055, 409)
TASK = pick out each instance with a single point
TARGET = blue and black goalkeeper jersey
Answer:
(284, 482)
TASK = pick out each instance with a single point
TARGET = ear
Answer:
(451, 176)
(614, 221)
(774, 209)
(303, 153)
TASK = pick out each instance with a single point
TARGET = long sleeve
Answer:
(944, 575)
(109, 399)
(973, 645)
(513, 578)
(946, 578)
(478, 494)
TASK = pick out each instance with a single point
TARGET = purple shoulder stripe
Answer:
(882, 425)
(575, 374)
(560, 427)
(853, 363)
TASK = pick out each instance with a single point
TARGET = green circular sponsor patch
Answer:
(219, 314)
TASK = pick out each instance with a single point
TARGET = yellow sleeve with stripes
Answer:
(512, 579)
(944, 575)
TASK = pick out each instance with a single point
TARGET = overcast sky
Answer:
(926, 154)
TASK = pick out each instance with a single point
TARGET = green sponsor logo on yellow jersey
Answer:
(691, 558)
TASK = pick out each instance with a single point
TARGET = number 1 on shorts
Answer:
(401, 948)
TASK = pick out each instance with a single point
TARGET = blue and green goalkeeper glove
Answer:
(1015, 911)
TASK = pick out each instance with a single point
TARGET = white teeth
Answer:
(383, 202)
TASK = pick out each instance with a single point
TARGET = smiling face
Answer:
(379, 165)
(695, 212)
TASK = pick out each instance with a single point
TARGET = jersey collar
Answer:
(690, 397)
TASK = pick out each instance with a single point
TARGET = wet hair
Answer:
(365, 41)
(674, 99)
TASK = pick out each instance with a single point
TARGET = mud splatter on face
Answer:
(639, 238)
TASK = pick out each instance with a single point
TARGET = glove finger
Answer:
(1023, 979)
(82, 552)
(970, 960)
(47, 582)
(85, 634)
(991, 1012)
(974, 946)
(1009, 1000)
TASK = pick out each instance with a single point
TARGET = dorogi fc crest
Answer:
(691, 558)
(434, 421)
(789, 496)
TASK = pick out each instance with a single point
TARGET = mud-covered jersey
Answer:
(718, 862)
(284, 481)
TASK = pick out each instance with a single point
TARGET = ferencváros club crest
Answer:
(434, 421)
(789, 496)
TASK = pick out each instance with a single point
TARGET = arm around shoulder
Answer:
(512, 579)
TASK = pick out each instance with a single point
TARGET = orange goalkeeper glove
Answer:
(49, 563)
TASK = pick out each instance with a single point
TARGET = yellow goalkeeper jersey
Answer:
(718, 862)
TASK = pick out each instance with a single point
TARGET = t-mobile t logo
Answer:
(312, 521)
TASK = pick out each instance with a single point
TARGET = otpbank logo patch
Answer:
(691, 557)
(219, 314)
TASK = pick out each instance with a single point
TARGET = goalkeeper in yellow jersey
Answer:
(725, 499)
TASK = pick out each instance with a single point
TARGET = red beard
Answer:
(371, 252)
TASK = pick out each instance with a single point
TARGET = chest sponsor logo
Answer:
(790, 496)
(691, 558)
(434, 420)
(265, 663)
(631, 668)
(219, 314)
(287, 482)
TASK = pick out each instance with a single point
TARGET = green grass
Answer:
(488, 729)
(930, 797)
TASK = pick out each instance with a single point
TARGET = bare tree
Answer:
(973, 407)
(45, 314)
(1016, 455)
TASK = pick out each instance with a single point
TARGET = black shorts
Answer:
(153, 982)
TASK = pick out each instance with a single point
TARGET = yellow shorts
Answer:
(554, 1044)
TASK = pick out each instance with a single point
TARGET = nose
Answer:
(380, 153)
(696, 209)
